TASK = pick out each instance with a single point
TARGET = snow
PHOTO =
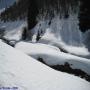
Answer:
(66, 30)
(13, 30)
(61, 41)
(87, 39)
(49, 38)
(19, 70)
(53, 56)
(80, 51)
(62, 33)
(75, 50)
(1, 10)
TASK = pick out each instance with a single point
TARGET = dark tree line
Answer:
(32, 8)
(32, 13)
(84, 15)
(37, 7)
(16, 11)
(62, 7)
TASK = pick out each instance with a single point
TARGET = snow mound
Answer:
(24, 72)
(53, 56)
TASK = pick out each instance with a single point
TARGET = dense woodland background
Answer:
(31, 8)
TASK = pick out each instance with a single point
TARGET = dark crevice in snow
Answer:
(9, 42)
(24, 33)
(41, 60)
(67, 68)
(38, 36)
(62, 49)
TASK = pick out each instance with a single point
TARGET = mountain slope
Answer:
(52, 56)
(26, 73)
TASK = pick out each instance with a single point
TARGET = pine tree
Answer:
(84, 15)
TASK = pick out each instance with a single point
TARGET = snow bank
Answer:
(52, 56)
(49, 38)
(24, 72)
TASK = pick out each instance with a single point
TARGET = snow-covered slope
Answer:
(82, 50)
(62, 33)
(25, 73)
(66, 30)
(13, 29)
(53, 56)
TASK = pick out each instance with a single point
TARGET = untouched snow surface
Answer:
(53, 56)
(24, 72)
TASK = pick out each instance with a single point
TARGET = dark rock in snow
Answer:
(67, 68)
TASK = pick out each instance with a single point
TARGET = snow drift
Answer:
(53, 56)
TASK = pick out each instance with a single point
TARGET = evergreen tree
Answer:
(17, 11)
(84, 15)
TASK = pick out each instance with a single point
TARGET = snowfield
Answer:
(53, 56)
(20, 70)
(56, 41)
